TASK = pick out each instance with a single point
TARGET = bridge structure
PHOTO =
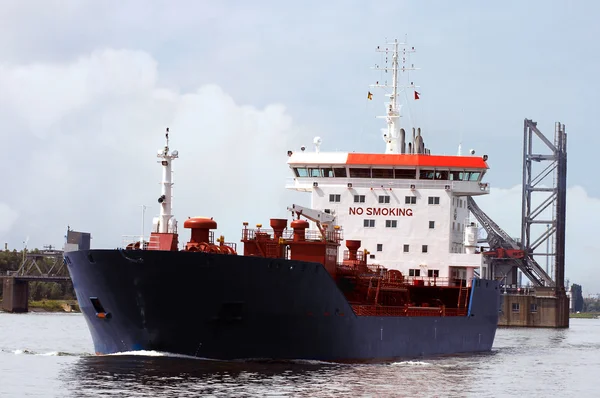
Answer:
(46, 265)
(544, 301)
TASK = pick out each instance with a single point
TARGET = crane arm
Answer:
(318, 216)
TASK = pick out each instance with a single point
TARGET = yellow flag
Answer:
(370, 96)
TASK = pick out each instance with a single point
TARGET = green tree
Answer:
(56, 292)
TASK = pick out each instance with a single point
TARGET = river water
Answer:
(51, 355)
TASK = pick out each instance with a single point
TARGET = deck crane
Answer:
(325, 221)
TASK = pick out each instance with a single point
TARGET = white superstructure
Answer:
(408, 207)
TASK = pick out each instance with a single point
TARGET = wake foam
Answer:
(151, 353)
(411, 363)
(47, 354)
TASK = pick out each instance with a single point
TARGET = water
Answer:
(51, 355)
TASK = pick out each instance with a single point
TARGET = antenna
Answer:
(317, 142)
(144, 207)
(392, 109)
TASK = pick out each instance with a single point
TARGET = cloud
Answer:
(90, 130)
(42, 95)
(583, 214)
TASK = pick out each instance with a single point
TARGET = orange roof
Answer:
(461, 162)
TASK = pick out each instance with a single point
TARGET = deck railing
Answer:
(288, 234)
(471, 187)
(518, 290)
(411, 280)
(127, 240)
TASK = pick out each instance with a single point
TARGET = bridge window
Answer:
(431, 224)
(360, 173)
(433, 273)
(441, 175)
(465, 175)
(410, 200)
(359, 198)
(434, 200)
(335, 197)
(384, 199)
(474, 176)
(301, 172)
(327, 172)
(424, 249)
(369, 223)
(456, 175)
(405, 174)
(314, 172)
(426, 174)
(379, 247)
(405, 249)
(339, 172)
(383, 173)
(414, 272)
(391, 223)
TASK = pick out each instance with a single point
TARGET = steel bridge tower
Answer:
(543, 222)
(544, 200)
(543, 217)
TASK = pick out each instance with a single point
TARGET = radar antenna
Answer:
(394, 133)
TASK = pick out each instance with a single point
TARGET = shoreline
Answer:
(585, 315)
(66, 306)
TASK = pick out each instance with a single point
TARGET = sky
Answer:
(87, 89)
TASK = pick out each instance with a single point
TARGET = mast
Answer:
(394, 132)
(142, 235)
(166, 221)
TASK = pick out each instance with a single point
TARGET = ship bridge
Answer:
(460, 174)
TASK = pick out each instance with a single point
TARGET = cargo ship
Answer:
(383, 265)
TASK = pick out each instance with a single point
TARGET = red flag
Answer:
(416, 95)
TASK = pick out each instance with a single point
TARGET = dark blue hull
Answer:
(236, 307)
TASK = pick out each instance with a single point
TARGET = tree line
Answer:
(591, 305)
